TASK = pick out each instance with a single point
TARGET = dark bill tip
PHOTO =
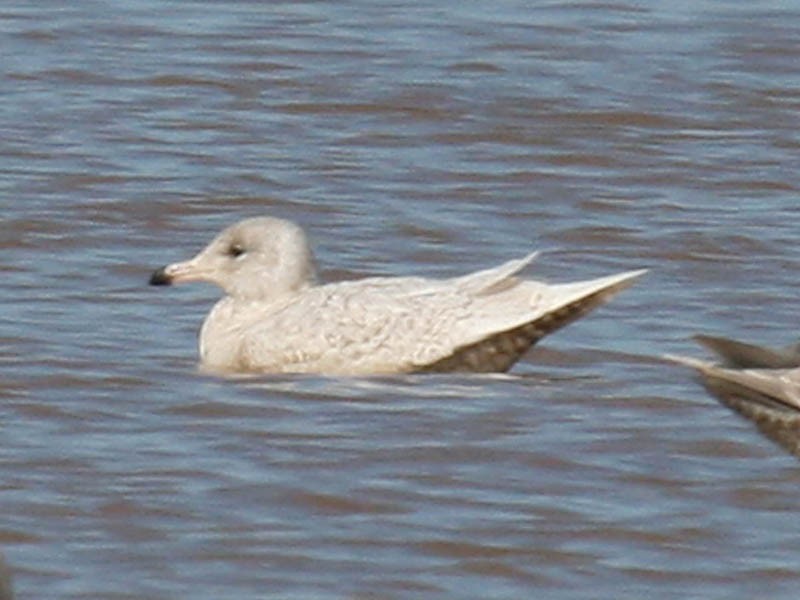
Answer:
(160, 277)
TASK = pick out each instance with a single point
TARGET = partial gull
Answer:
(760, 383)
(743, 355)
(762, 375)
(275, 318)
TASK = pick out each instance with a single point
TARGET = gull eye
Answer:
(235, 250)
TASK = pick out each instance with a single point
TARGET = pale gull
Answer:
(750, 374)
(760, 383)
(275, 318)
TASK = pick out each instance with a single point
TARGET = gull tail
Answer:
(741, 355)
(556, 306)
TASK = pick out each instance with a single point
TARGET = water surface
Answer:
(407, 139)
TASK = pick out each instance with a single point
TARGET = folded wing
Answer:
(482, 322)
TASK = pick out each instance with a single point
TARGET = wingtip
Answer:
(686, 361)
(744, 355)
(616, 283)
(633, 275)
(711, 342)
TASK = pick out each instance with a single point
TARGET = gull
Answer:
(742, 355)
(754, 380)
(276, 318)
(760, 383)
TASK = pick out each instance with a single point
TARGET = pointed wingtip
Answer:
(632, 275)
(686, 361)
(744, 355)
(719, 345)
(610, 285)
(623, 281)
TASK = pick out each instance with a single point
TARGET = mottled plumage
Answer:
(761, 384)
(275, 318)
(776, 389)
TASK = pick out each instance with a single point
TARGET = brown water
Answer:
(408, 139)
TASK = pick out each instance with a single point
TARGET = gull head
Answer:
(255, 259)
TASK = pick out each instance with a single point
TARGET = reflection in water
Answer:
(760, 383)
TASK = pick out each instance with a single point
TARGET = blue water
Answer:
(407, 139)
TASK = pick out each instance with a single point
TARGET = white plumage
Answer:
(275, 318)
